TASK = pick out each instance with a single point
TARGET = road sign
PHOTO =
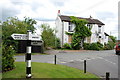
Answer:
(35, 37)
(19, 36)
(36, 43)
(25, 37)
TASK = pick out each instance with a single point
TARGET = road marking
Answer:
(107, 60)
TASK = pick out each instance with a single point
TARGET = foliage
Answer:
(67, 46)
(93, 46)
(7, 58)
(57, 43)
(86, 46)
(81, 32)
(101, 47)
(30, 23)
(48, 36)
(113, 38)
(109, 46)
(75, 41)
(10, 26)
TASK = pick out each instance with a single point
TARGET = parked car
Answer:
(117, 48)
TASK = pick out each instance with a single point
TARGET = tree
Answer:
(113, 38)
(9, 46)
(80, 32)
(30, 23)
(48, 36)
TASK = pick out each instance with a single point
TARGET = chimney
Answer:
(91, 17)
(58, 12)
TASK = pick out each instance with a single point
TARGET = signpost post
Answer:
(31, 40)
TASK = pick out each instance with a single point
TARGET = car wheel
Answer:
(116, 52)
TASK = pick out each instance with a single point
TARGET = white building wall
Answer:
(59, 29)
(66, 24)
(94, 30)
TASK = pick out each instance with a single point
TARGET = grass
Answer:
(46, 70)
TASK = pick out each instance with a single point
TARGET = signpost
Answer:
(36, 43)
(25, 37)
(31, 40)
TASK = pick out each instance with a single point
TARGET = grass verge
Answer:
(46, 70)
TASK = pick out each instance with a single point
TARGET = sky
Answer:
(45, 11)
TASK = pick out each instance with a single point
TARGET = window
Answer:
(70, 27)
(99, 29)
(89, 26)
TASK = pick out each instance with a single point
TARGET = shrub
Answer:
(67, 46)
(57, 43)
(100, 45)
(93, 46)
(7, 58)
(109, 46)
(86, 46)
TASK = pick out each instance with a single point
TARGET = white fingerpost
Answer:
(28, 55)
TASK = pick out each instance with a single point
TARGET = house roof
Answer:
(106, 34)
(90, 20)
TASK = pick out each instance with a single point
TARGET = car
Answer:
(117, 48)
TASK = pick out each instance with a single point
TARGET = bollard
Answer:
(55, 60)
(84, 66)
(107, 76)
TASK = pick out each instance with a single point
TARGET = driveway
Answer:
(98, 62)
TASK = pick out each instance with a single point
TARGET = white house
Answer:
(63, 25)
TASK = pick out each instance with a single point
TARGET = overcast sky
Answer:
(46, 10)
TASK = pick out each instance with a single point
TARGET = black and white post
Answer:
(28, 55)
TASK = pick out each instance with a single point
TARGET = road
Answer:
(98, 62)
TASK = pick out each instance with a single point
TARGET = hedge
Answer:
(7, 58)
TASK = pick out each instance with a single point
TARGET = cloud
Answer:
(105, 15)
(8, 10)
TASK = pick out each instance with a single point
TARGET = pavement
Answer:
(98, 62)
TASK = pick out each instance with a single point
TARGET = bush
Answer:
(7, 58)
(86, 46)
(100, 45)
(109, 46)
(93, 46)
(57, 43)
(67, 46)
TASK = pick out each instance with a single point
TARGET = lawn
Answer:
(46, 70)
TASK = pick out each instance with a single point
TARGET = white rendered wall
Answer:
(59, 29)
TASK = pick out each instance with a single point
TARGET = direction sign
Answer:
(25, 37)
(19, 36)
(35, 37)
(36, 43)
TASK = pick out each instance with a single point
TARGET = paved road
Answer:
(98, 62)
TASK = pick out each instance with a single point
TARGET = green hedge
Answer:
(7, 58)
(109, 46)
(93, 46)
(67, 46)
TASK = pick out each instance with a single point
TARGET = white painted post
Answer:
(28, 55)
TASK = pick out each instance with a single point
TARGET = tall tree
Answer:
(81, 31)
(9, 46)
(30, 23)
(48, 36)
